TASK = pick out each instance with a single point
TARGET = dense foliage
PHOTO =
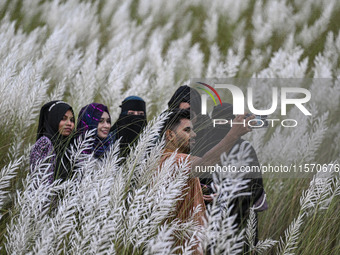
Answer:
(84, 51)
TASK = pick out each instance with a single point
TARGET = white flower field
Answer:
(84, 51)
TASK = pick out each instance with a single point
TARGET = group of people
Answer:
(56, 132)
(183, 127)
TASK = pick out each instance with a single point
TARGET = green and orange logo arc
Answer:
(209, 93)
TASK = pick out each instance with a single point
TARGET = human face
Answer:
(66, 125)
(183, 136)
(131, 112)
(184, 105)
(104, 126)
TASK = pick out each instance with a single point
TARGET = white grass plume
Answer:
(222, 235)
(287, 245)
(318, 196)
(262, 245)
(7, 173)
(31, 209)
(110, 48)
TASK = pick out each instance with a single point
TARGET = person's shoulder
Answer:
(178, 156)
(43, 143)
(182, 156)
(114, 130)
(42, 148)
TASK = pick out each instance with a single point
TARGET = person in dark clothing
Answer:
(130, 123)
(55, 132)
(257, 199)
(225, 111)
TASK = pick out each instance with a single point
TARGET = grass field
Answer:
(103, 51)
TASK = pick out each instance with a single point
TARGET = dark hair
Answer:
(174, 119)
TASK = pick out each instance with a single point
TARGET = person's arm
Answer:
(212, 157)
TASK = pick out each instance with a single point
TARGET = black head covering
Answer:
(50, 116)
(186, 94)
(133, 103)
(128, 127)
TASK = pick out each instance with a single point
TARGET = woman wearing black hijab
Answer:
(186, 97)
(56, 125)
(130, 123)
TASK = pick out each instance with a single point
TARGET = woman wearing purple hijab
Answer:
(96, 116)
